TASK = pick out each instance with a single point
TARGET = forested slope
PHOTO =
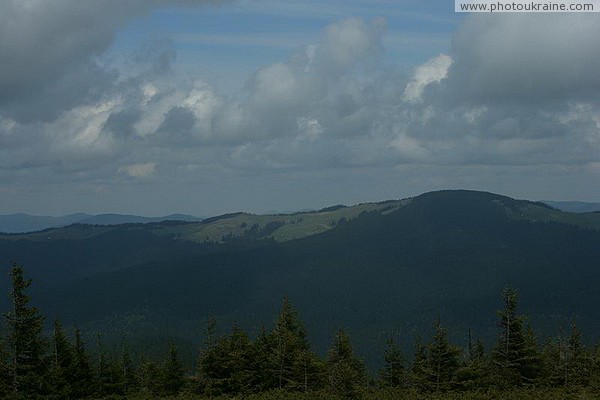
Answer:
(384, 271)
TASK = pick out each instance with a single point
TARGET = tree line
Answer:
(33, 365)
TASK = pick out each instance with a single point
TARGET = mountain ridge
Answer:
(283, 227)
(574, 206)
(25, 223)
(391, 266)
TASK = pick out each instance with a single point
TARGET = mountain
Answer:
(21, 223)
(375, 268)
(16, 223)
(574, 206)
(117, 219)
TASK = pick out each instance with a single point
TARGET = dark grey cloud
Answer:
(178, 125)
(526, 57)
(121, 123)
(50, 52)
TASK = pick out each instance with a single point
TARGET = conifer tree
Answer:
(392, 373)
(82, 375)
(29, 365)
(239, 355)
(474, 372)
(173, 373)
(515, 357)
(532, 364)
(210, 332)
(262, 363)
(290, 350)
(509, 351)
(567, 360)
(149, 378)
(419, 371)
(346, 373)
(212, 370)
(63, 367)
(108, 374)
(443, 360)
(579, 360)
(225, 366)
(313, 371)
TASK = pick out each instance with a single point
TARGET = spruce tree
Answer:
(419, 371)
(29, 364)
(173, 373)
(346, 373)
(210, 332)
(226, 366)
(443, 360)
(532, 364)
(262, 365)
(63, 368)
(567, 360)
(149, 377)
(579, 359)
(212, 368)
(108, 374)
(392, 373)
(474, 370)
(220, 361)
(290, 351)
(83, 376)
(508, 353)
(515, 357)
(239, 362)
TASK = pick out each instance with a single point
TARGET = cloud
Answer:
(304, 87)
(50, 52)
(432, 71)
(139, 170)
(535, 57)
(346, 43)
(516, 91)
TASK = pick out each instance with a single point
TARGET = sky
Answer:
(153, 107)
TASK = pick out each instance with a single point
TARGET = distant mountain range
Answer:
(377, 269)
(574, 206)
(21, 223)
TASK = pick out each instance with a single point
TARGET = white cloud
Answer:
(347, 42)
(275, 85)
(433, 71)
(309, 129)
(203, 102)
